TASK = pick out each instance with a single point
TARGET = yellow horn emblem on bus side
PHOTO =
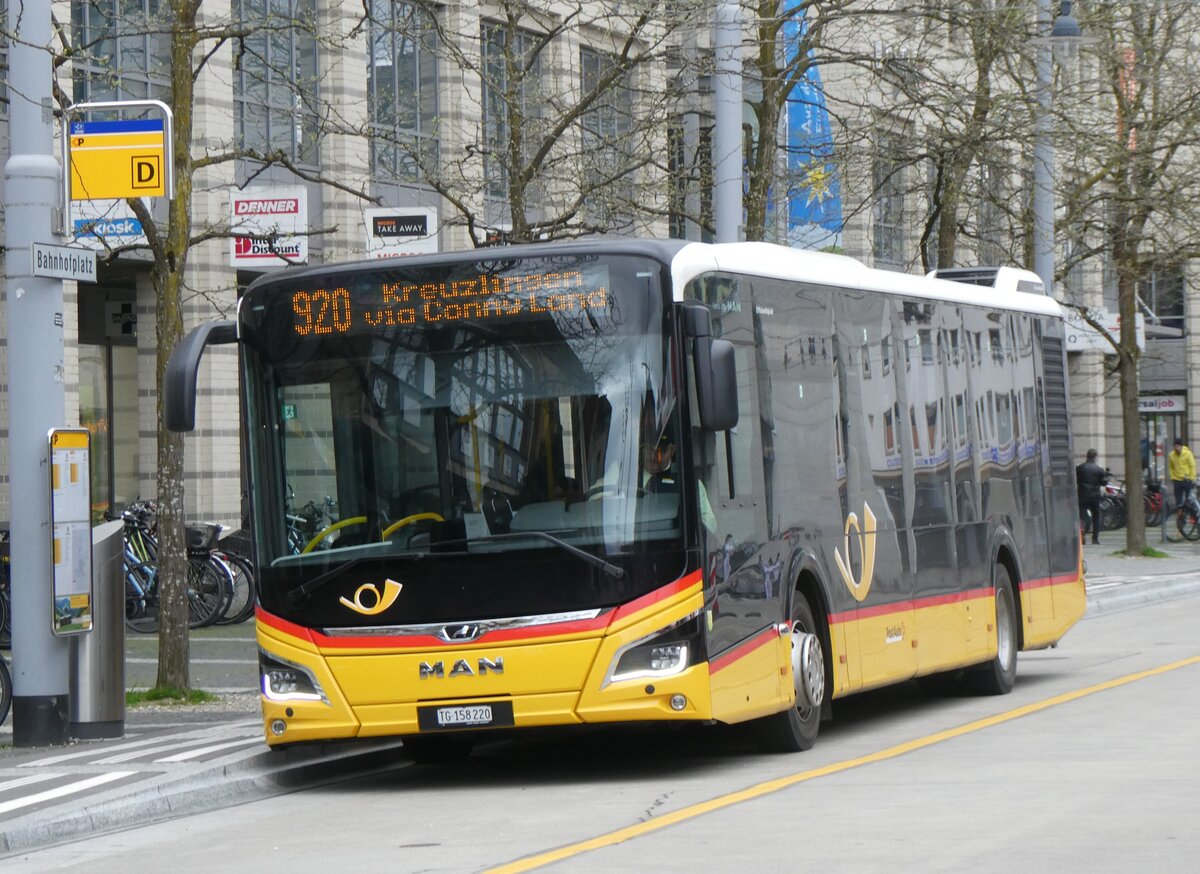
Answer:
(391, 591)
(859, 588)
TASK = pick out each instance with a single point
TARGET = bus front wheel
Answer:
(796, 728)
(997, 676)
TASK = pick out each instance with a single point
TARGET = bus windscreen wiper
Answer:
(300, 594)
(608, 567)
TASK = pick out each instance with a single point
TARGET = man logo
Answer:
(380, 602)
(866, 533)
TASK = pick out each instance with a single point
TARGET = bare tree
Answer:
(1134, 196)
(176, 41)
(563, 111)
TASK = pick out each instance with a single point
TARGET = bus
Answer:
(637, 481)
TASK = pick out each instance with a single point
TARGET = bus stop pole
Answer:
(36, 396)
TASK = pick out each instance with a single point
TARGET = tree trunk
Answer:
(170, 261)
(1127, 371)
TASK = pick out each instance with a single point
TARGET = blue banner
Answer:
(814, 196)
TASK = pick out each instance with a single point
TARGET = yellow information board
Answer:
(117, 159)
(71, 530)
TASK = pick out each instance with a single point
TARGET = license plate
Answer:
(480, 714)
(489, 715)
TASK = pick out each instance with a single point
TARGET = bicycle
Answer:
(5, 690)
(1187, 517)
(5, 594)
(210, 582)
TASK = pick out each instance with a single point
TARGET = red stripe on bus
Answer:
(940, 600)
(743, 649)
(1050, 581)
(661, 594)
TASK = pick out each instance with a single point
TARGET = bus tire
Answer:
(432, 749)
(796, 728)
(997, 676)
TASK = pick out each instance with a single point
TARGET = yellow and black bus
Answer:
(629, 481)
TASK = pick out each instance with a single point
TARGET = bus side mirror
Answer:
(716, 372)
(179, 382)
(716, 384)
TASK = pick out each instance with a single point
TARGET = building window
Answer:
(888, 225)
(689, 167)
(401, 89)
(4, 61)
(991, 215)
(276, 79)
(1162, 294)
(511, 95)
(608, 157)
(124, 51)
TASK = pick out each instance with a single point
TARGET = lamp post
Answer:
(727, 129)
(1064, 36)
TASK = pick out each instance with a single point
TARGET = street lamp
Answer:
(1065, 38)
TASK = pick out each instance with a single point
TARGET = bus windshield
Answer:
(448, 409)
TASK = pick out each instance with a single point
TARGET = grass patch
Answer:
(167, 695)
(1147, 552)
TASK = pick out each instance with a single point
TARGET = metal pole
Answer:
(727, 133)
(36, 399)
(1043, 156)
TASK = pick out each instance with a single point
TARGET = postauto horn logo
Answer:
(376, 601)
(866, 534)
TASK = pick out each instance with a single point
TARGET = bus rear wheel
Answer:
(796, 729)
(997, 676)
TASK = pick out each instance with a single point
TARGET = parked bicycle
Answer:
(1114, 509)
(5, 690)
(1187, 517)
(220, 585)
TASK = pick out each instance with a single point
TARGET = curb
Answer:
(1138, 594)
(247, 778)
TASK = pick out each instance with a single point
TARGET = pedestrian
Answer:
(1089, 477)
(1181, 468)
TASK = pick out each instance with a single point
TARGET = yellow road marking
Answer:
(766, 788)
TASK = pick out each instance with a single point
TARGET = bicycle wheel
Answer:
(1188, 523)
(210, 586)
(1110, 514)
(141, 598)
(5, 690)
(241, 606)
(1154, 512)
(5, 619)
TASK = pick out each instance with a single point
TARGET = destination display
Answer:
(335, 310)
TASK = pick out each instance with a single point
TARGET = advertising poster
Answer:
(396, 231)
(268, 224)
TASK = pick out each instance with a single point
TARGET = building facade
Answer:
(328, 131)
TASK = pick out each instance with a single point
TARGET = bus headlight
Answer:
(664, 654)
(652, 660)
(283, 680)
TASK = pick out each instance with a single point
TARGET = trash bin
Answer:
(97, 686)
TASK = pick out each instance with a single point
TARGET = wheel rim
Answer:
(1004, 629)
(808, 669)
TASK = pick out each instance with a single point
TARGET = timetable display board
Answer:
(71, 530)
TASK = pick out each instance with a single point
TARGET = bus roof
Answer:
(823, 268)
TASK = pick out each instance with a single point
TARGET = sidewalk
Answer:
(174, 761)
(1115, 582)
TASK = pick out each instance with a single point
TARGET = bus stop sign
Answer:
(117, 159)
